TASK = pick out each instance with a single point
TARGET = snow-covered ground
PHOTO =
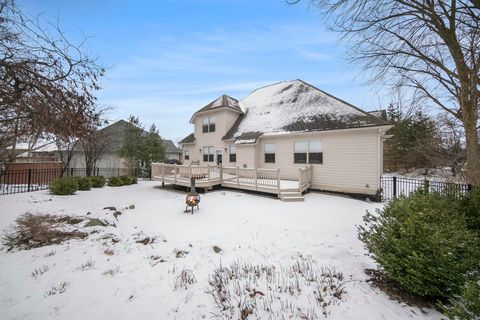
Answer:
(137, 281)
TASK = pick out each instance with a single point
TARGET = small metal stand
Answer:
(193, 198)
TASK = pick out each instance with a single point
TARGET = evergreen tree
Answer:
(141, 148)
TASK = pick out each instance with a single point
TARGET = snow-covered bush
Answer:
(98, 181)
(423, 243)
(64, 186)
(467, 305)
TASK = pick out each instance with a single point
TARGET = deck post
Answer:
(278, 181)
(238, 177)
(221, 174)
(256, 178)
(190, 172)
(208, 174)
(175, 174)
(163, 175)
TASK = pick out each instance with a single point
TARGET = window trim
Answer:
(186, 154)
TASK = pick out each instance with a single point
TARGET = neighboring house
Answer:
(113, 139)
(288, 125)
(171, 151)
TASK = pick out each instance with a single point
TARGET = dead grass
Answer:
(57, 289)
(39, 271)
(243, 289)
(86, 266)
(184, 279)
(35, 230)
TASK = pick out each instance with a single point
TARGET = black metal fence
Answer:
(393, 187)
(18, 181)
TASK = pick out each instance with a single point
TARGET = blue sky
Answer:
(168, 58)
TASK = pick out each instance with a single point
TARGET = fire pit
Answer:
(193, 198)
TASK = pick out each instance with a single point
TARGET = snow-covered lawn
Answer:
(96, 278)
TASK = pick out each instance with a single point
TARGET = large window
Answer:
(300, 149)
(269, 152)
(186, 154)
(232, 153)
(207, 154)
(208, 124)
(308, 152)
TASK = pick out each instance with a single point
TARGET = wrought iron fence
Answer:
(393, 187)
(18, 181)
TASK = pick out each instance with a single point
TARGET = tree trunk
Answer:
(470, 118)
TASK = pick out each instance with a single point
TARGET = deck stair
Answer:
(291, 196)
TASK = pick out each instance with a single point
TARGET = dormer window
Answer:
(208, 124)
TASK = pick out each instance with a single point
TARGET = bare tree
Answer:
(430, 46)
(44, 79)
(94, 144)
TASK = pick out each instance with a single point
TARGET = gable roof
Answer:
(223, 101)
(188, 139)
(170, 147)
(295, 106)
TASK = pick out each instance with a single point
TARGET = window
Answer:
(269, 152)
(233, 153)
(315, 154)
(186, 154)
(300, 151)
(308, 152)
(208, 124)
(207, 154)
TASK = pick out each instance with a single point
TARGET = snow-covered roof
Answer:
(296, 106)
(223, 101)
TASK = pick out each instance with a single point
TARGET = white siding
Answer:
(351, 159)
(224, 120)
(246, 156)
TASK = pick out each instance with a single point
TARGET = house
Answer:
(287, 126)
(112, 139)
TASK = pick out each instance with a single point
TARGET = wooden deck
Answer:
(255, 179)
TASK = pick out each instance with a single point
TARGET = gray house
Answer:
(112, 139)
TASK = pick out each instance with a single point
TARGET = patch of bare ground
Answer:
(37, 230)
(379, 280)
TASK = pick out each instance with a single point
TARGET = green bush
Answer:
(423, 243)
(470, 206)
(115, 182)
(127, 180)
(84, 183)
(98, 181)
(64, 186)
(467, 305)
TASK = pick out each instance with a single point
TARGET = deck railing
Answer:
(258, 179)
(251, 178)
(305, 179)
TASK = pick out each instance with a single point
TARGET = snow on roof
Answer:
(222, 101)
(298, 106)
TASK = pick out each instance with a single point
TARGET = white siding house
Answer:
(286, 126)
